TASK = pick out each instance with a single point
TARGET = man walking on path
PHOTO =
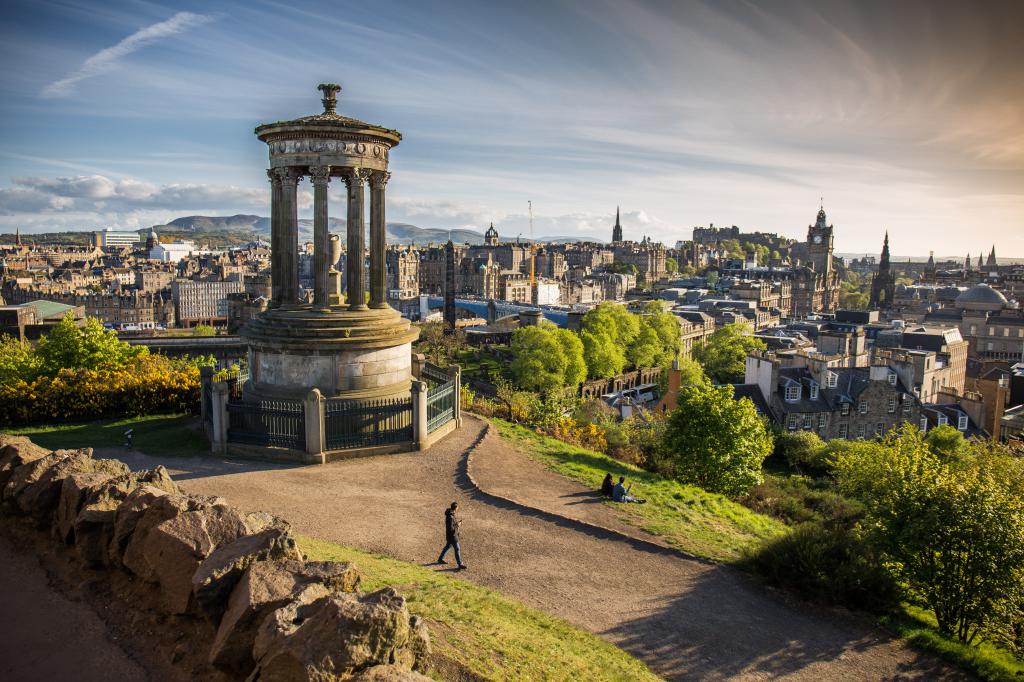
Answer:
(451, 536)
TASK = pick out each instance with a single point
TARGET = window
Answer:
(844, 430)
(892, 378)
(794, 419)
(961, 422)
(792, 392)
(822, 420)
(861, 430)
(974, 329)
(924, 424)
(892, 404)
(943, 420)
(1006, 331)
(831, 379)
(879, 428)
(862, 406)
(844, 409)
(808, 422)
(814, 391)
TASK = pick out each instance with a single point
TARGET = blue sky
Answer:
(904, 116)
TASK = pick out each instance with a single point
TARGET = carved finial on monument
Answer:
(330, 99)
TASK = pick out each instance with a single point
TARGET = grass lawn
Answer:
(168, 434)
(693, 520)
(918, 627)
(493, 636)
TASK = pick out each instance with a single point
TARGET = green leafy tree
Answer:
(671, 266)
(692, 374)
(716, 442)
(545, 360)
(665, 326)
(203, 330)
(804, 451)
(17, 361)
(437, 346)
(69, 346)
(603, 356)
(951, 531)
(946, 441)
(724, 353)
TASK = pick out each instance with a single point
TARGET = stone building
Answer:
(403, 263)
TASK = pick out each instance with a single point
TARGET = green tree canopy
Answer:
(716, 442)
(546, 359)
(724, 353)
(946, 441)
(671, 265)
(203, 330)
(951, 531)
(88, 347)
(604, 358)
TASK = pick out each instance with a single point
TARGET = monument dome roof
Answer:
(981, 293)
(327, 123)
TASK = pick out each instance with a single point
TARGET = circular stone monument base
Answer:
(354, 355)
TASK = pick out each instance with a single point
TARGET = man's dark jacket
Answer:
(451, 526)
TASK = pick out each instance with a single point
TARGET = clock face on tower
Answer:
(817, 239)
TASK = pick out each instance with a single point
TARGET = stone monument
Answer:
(352, 347)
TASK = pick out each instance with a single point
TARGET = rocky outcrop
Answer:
(336, 636)
(277, 616)
(265, 587)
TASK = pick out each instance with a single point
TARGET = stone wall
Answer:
(263, 612)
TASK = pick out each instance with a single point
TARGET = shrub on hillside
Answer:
(803, 451)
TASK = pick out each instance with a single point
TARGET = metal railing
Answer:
(433, 374)
(367, 423)
(440, 405)
(278, 423)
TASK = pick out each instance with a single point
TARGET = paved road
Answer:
(687, 619)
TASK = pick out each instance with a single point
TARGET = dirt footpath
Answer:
(687, 619)
(45, 636)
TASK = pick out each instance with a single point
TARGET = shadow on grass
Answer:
(175, 435)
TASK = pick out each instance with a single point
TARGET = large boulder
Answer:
(15, 451)
(93, 531)
(40, 496)
(138, 515)
(218, 573)
(175, 548)
(28, 473)
(73, 494)
(335, 637)
(265, 587)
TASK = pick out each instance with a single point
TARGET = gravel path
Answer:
(687, 619)
(45, 636)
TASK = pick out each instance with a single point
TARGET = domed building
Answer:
(981, 297)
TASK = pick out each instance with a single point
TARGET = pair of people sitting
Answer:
(618, 492)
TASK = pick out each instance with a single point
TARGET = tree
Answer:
(951, 531)
(607, 331)
(69, 346)
(545, 360)
(665, 326)
(671, 266)
(804, 451)
(604, 358)
(716, 442)
(203, 330)
(946, 441)
(691, 373)
(724, 353)
(17, 361)
(438, 347)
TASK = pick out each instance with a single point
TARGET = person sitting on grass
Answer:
(607, 487)
(620, 493)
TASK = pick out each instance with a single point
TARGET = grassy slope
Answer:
(490, 634)
(155, 435)
(691, 519)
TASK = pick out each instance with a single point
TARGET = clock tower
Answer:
(819, 244)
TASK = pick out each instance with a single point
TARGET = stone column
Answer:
(455, 372)
(276, 243)
(378, 242)
(221, 422)
(320, 176)
(290, 236)
(313, 409)
(354, 268)
(419, 413)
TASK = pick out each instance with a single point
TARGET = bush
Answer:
(828, 564)
(796, 500)
(151, 385)
(803, 451)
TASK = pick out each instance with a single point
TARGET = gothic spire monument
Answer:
(359, 349)
(617, 229)
(883, 284)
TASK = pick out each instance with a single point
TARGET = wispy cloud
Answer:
(106, 59)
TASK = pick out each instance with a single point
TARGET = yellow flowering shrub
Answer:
(150, 385)
(589, 436)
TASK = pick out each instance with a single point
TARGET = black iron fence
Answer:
(278, 423)
(433, 374)
(366, 423)
(440, 405)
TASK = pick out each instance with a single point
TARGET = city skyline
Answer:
(904, 119)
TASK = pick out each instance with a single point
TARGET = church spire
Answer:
(991, 257)
(617, 230)
(884, 262)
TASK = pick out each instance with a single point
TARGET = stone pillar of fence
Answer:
(314, 413)
(455, 372)
(220, 417)
(419, 413)
(418, 360)
(205, 381)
